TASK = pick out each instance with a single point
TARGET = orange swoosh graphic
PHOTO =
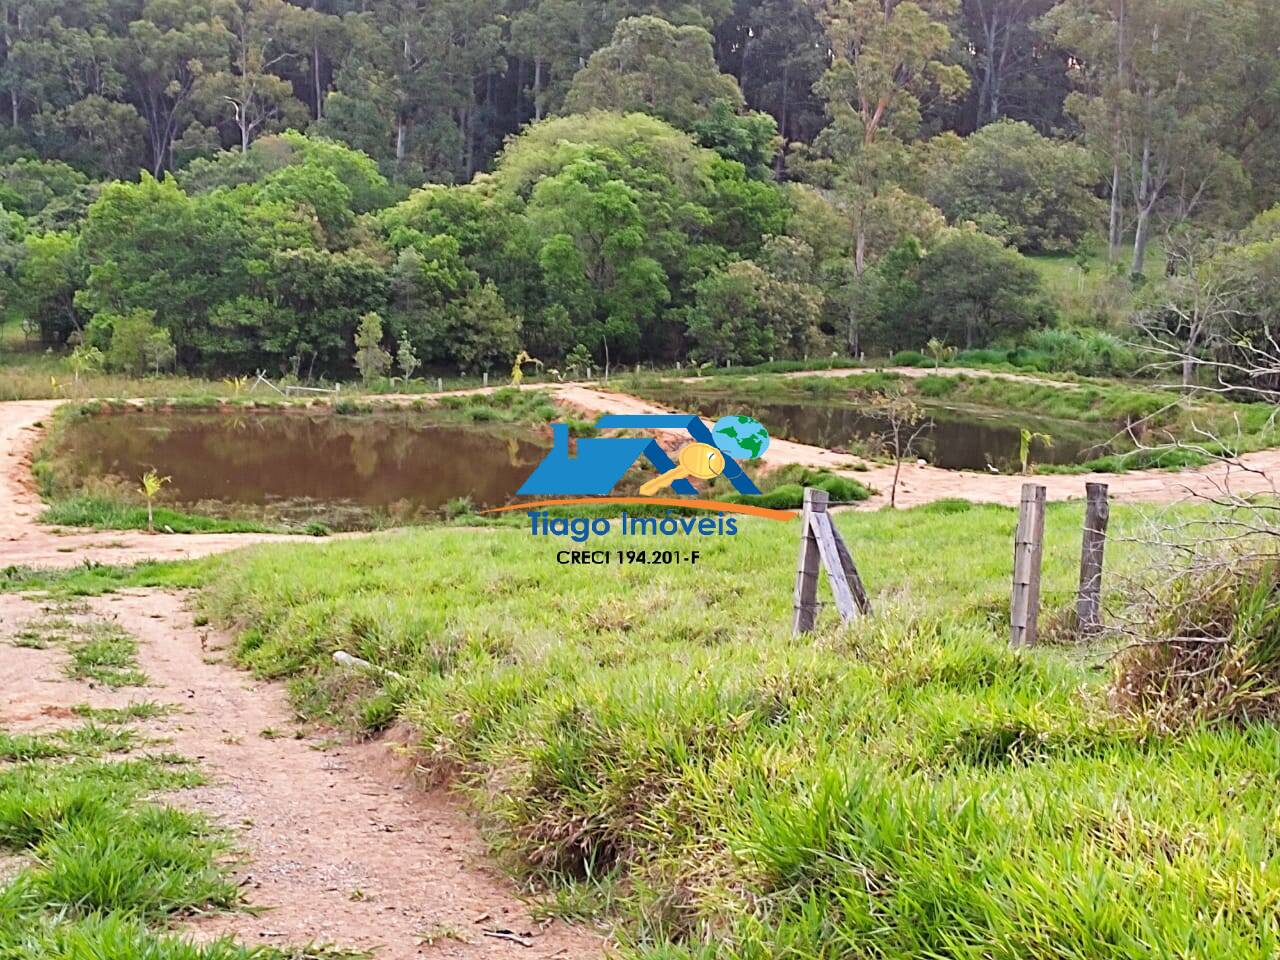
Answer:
(765, 512)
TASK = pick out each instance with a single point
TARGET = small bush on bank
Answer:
(911, 358)
(1212, 650)
(786, 489)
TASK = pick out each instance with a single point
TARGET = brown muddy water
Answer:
(344, 470)
(958, 438)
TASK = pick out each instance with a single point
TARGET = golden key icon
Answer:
(698, 460)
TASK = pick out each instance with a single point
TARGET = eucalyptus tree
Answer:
(248, 87)
(1157, 80)
(885, 59)
(655, 67)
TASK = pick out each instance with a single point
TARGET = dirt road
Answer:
(341, 846)
(917, 373)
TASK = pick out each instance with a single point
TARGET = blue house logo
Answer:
(602, 462)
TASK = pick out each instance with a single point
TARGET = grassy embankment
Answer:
(652, 744)
(30, 372)
(92, 865)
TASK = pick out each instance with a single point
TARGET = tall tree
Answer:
(166, 52)
(656, 68)
(1158, 78)
(884, 59)
(1018, 73)
(777, 51)
(417, 64)
(261, 34)
(550, 34)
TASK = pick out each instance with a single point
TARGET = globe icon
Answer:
(741, 437)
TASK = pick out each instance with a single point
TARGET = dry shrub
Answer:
(1208, 649)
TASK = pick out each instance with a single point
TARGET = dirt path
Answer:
(917, 373)
(24, 541)
(340, 845)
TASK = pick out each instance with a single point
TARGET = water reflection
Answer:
(960, 438)
(374, 461)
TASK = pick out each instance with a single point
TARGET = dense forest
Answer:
(230, 185)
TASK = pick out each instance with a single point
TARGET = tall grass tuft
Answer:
(1210, 650)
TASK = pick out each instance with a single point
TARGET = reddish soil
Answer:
(340, 845)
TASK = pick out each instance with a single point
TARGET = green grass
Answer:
(106, 868)
(103, 869)
(101, 513)
(653, 739)
(105, 654)
(30, 373)
(89, 740)
(93, 579)
(134, 712)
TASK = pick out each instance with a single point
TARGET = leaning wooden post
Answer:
(806, 595)
(1097, 514)
(822, 545)
(1024, 608)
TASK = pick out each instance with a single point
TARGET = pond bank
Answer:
(24, 541)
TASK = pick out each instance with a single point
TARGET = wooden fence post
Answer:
(1028, 544)
(821, 543)
(1097, 514)
(806, 594)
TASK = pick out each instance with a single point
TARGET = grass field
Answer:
(651, 743)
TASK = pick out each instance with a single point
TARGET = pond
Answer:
(960, 437)
(302, 466)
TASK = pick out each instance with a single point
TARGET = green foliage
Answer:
(1026, 440)
(1031, 192)
(968, 288)
(598, 163)
(750, 139)
(745, 315)
(406, 360)
(49, 272)
(654, 67)
(371, 360)
(131, 343)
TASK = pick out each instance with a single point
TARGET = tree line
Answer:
(715, 179)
